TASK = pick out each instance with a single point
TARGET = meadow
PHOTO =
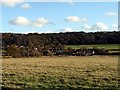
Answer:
(61, 73)
(106, 46)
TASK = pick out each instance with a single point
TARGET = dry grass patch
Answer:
(61, 72)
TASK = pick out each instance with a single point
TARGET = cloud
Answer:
(111, 14)
(67, 29)
(87, 27)
(12, 3)
(71, 2)
(29, 31)
(47, 31)
(114, 25)
(97, 26)
(75, 19)
(26, 6)
(22, 21)
(40, 22)
(100, 26)
(84, 20)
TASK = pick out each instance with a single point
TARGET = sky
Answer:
(55, 17)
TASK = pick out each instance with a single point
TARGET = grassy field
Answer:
(106, 46)
(64, 73)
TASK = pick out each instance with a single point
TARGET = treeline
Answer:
(69, 38)
(55, 50)
(53, 44)
(22, 51)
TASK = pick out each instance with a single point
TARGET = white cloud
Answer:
(29, 31)
(97, 26)
(71, 2)
(26, 6)
(22, 21)
(84, 20)
(40, 22)
(114, 25)
(47, 31)
(67, 29)
(87, 27)
(12, 3)
(75, 19)
(111, 14)
(100, 26)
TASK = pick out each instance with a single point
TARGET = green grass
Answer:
(106, 46)
(61, 72)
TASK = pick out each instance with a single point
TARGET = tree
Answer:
(13, 51)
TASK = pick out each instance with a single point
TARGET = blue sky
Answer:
(53, 17)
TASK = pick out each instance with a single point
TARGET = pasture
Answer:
(106, 46)
(95, 72)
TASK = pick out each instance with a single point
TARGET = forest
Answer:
(68, 38)
(34, 44)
